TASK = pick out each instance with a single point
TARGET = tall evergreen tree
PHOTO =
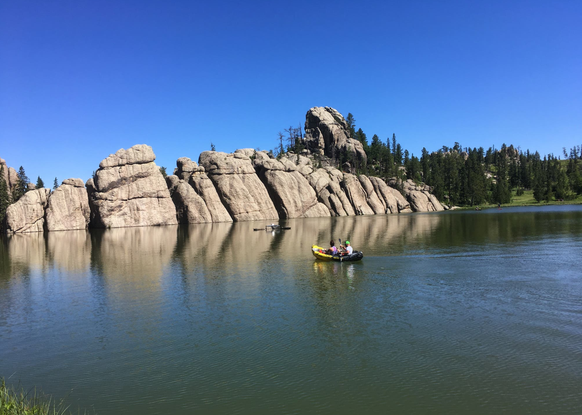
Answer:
(351, 121)
(21, 185)
(56, 184)
(4, 196)
(39, 183)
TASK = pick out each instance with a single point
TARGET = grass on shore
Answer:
(14, 402)
(527, 199)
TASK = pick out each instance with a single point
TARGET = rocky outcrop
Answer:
(190, 207)
(128, 189)
(326, 183)
(386, 194)
(27, 215)
(372, 199)
(196, 176)
(9, 176)
(68, 207)
(290, 191)
(435, 202)
(419, 197)
(327, 133)
(356, 195)
(238, 186)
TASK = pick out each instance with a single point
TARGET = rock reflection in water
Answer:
(70, 250)
(134, 254)
(28, 250)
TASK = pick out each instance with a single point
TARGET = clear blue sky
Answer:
(81, 79)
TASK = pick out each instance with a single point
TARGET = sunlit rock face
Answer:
(128, 189)
(327, 184)
(27, 215)
(238, 186)
(372, 198)
(420, 198)
(68, 207)
(9, 176)
(327, 133)
(386, 195)
(190, 207)
(356, 194)
(196, 176)
(290, 191)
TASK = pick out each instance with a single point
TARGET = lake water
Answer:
(456, 312)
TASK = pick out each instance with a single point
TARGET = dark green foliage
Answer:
(4, 196)
(21, 185)
(163, 171)
(351, 121)
(56, 182)
(212, 147)
(39, 183)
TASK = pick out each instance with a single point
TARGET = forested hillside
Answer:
(459, 175)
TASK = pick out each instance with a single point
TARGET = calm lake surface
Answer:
(456, 312)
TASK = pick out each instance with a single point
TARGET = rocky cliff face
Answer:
(9, 176)
(128, 189)
(327, 133)
(420, 197)
(238, 186)
(68, 207)
(27, 215)
(196, 176)
(290, 191)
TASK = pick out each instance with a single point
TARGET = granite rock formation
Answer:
(128, 189)
(196, 176)
(290, 191)
(420, 198)
(327, 185)
(190, 207)
(238, 186)
(68, 207)
(27, 215)
(9, 176)
(327, 133)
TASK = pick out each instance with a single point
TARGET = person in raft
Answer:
(349, 249)
(332, 248)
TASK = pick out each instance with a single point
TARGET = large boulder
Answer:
(327, 133)
(290, 191)
(27, 215)
(356, 194)
(196, 176)
(372, 198)
(326, 183)
(68, 207)
(128, 189)
(420, 198)
(190, 207)
(438, 207)
(238, 186)
(385, 193)
(9, 176)
(419, 201)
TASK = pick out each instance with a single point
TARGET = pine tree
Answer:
(21, 185)
(39, 183)
(4, 196)
(351, 121)
(56, 184)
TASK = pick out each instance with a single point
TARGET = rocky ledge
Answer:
(129, 190)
